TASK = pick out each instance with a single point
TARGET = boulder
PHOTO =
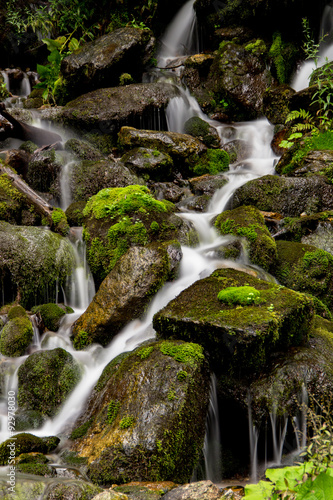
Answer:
(105, 111)
(15, 207)
(313, 229)
(207, 184)
(311, 163)
(238, 150)
(239, 340)
(126, 292)
(27, 443)
(306, 269)
(118, 218)
(16, 336)
(34, 263)
(50, 315)
(45, 380)
(75, 490)
(82, 150)
(195, 491)
(142, 425)
(43, 170)
(100, 63)
(88, 177)
(203, 131)
(288, 196)
(149, 163)
(248, 223)
(142, 489)
(276, 103)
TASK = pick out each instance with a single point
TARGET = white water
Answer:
(212, 445)
(302, 78)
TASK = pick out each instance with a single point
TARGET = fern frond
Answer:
(299, 114)
(301, 127)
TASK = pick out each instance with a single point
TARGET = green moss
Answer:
(125, 79)
(126, 422)
(51, 315)
(80, 340)
(36, 469)
(59, 219)
(145, 352)
(81, 430)
(16, 336)
(211, 162)
(258, 47)
(112, 412)
(11, 200)
(284, 58)
(242, 295)
(16, 312)
(187, 353)
(113, 202)
(154, 226)
(182, 375)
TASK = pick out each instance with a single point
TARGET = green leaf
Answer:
(73, 44)
(260, 491)
(45, 94)
(55, 57)
(43, 71)
(319, 489)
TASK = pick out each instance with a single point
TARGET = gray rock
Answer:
(195, 491)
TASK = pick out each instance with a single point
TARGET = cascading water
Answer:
(212, 445)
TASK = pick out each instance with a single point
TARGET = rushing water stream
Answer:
(196, 263)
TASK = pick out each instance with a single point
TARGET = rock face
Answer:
(288, 196)
(100, 63)
(126, 292)
(107, 110)
(239, 339)
(247, 222)
(45, 380)
(33, 261)
(306, 269)
(141, 424)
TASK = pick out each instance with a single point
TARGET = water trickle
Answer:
(212, 445)
(253, 436)
(65, 184)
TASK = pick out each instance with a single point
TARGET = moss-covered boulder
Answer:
(118, 218)
(16, 336)
(88, 177)
(100, 63)
(45, 380)
(205, 132)
(43, 170)
(307, 227)
(212, 161)
(239, 336)
(82, 150)
(26, 443)
(247, 222)
(34, 263)
(14, 206)
(74, 213)
(306, 163)
(126, 292)
(150, 426)
(207, 184)
(74, 490)
(50, 315)
(106, 110)
(288, 196)
(183, 148)
(276, 103)
(149, 163)
(307, 269)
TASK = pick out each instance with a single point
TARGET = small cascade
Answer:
(278, 436)
(36, 337)
(25, 88)
(81, 285)
(212, 445)
(6, 80)
(182, 108)
(302, 77)
(253, 437)
(181, 38)
(65, 184)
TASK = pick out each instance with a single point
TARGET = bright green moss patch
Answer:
(242, 295)
(81, 430)
(51, 315)
(126, 422)
(145, 352)
(184, 353)
(112, 202)
(211, 162)
(113, 409)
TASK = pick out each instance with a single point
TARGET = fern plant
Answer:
(306, 124)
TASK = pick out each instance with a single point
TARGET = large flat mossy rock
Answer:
(247, 222)
(289, 196)
(45, 380)
(34, 263)
(307, 269)
(239, 338)
(100, 63)
(126, 292)
(145, 419)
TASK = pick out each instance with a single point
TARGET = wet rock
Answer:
(139, 490)
(313, 162)
(105, 111)
(76, 490)
(195, 491)
(18, 159)
(88, 177)
(74, 213)
(248, 223)
(33, 262)
(16, 336)
(118, 218)
(276, 103)
(126, 292)
(45, 380)
(149, 163)
(169, 191)
(43, 170)
(239, 340)
(138, 417)
(27, 443)
(50, 315)
(203, 131)
(238, 150)
(100, 63)
(309, 229)
(83, 150)
(288, 196)
(306, 269)
(111, 495)
(207, 184)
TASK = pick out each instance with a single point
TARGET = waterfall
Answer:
(302, 77)
(65, 186)
(212, 451)
(253, 437)
(181, 38)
